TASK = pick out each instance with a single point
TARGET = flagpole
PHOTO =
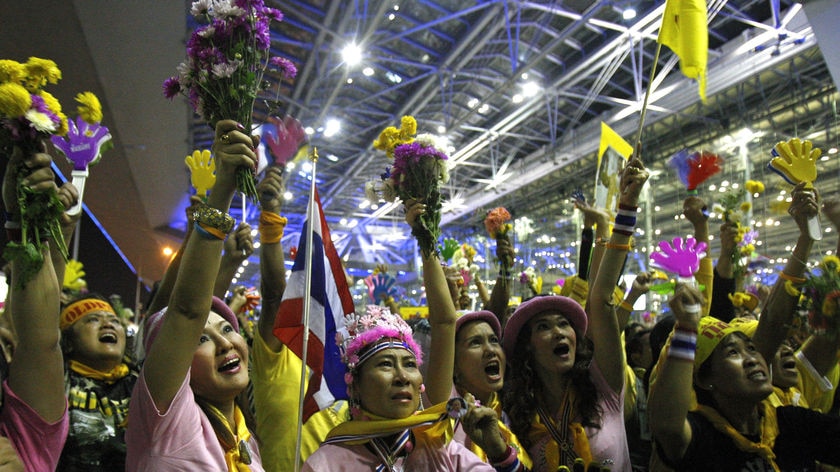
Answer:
(647, 96)
(307, 292)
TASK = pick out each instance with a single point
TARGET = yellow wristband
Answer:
(791, 289)
(791, 278)
(625, 305)
(271, 227)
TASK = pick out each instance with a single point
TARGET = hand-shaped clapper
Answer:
(680, 258)
(83, 147)
(202, 171)
(796, 162)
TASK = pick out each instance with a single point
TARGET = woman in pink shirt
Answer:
(184, 414)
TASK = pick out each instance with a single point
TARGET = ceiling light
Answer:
(343, 222)
(394, 78)
(364, 204)
(167, 251)
(374, 206)
(288, 195)
(832, 150)
(472, 103)
(628, 14)
(441, 129)
(332, 158)
(333, 127)
(483, 108)
(368, 71)
(517, 98)
(391, 16)
(309, 130)
(351, 54)
(396, 8)
(530, 89)
(349, 80)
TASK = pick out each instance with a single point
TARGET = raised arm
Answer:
(441, 362)
(500, 295)
(238, 247)
(169, 358)
(272, 259)
(36, 373)
(671, 395)
(603, 322)
(778, 311)
(694, 209)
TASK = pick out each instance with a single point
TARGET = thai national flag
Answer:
(330, 301)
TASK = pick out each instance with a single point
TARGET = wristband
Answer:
(791, 278)
(625, 305)
(271, 227)
(509, 459)
(683, 345)
(791, 289)
(620, 247)
(207, 232)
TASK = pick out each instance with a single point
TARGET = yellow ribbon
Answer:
(359, 431)
(237, 455)
(111, 376)
(769, 432)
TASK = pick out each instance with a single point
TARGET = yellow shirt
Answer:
(276, 378)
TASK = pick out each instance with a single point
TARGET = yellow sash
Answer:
(426, 425)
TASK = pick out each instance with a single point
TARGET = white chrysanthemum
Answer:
(201, 7)
(225, 70)
(433, 140)
(41, 121)
(462, 263)
(444, 172)
(225, 9)
(208, 32)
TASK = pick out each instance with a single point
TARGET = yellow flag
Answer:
(685, 31)
(609, 138)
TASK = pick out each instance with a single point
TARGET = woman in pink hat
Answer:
(565, 393)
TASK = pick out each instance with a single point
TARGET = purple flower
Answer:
(171, 87)
(286, 67)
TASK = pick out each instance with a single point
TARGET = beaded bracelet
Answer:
(212, 218)
(683, 345)
(271, 227)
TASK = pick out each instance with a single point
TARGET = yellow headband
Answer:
(75, 311)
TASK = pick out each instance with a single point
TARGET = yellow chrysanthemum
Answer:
(747, 249)
(51, 102)
(39, 72)
(754, 186)
(746, 207)
(14, 100)
(11, 71)
(63, 127)
(89, 107)
(392, 137)
(830, 263)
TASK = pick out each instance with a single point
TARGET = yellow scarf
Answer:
(111, 376)
(507, 434)
(769, 432)
(237, 455)
(426, 425)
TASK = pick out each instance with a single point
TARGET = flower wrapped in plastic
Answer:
(419, 170)
(29, 115)
(227, 56)
(496, 223)
(821, 297)
(733, 206)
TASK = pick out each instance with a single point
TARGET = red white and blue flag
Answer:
(330, 301)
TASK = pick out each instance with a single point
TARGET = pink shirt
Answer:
(608, 444)
(38, 444)
(342, 458)
(180, 439)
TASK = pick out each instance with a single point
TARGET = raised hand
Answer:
(240, 244)
(270, 190)
(383, 286)
(202, 171)
(682, 258)
(633, 179)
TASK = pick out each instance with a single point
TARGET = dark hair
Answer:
(522, 386)
(636, 344)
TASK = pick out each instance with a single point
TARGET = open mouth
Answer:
(402, 396)
(109, 338)
(757, 375)
(493, 370)
(789, 364)
(230, 365)
(562, 350)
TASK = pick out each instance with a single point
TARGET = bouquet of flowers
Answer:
(28, 116)
(226, 59)
(529, 278)
(732, 207)
(821, 297)
(496, 223)
(418, 171)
